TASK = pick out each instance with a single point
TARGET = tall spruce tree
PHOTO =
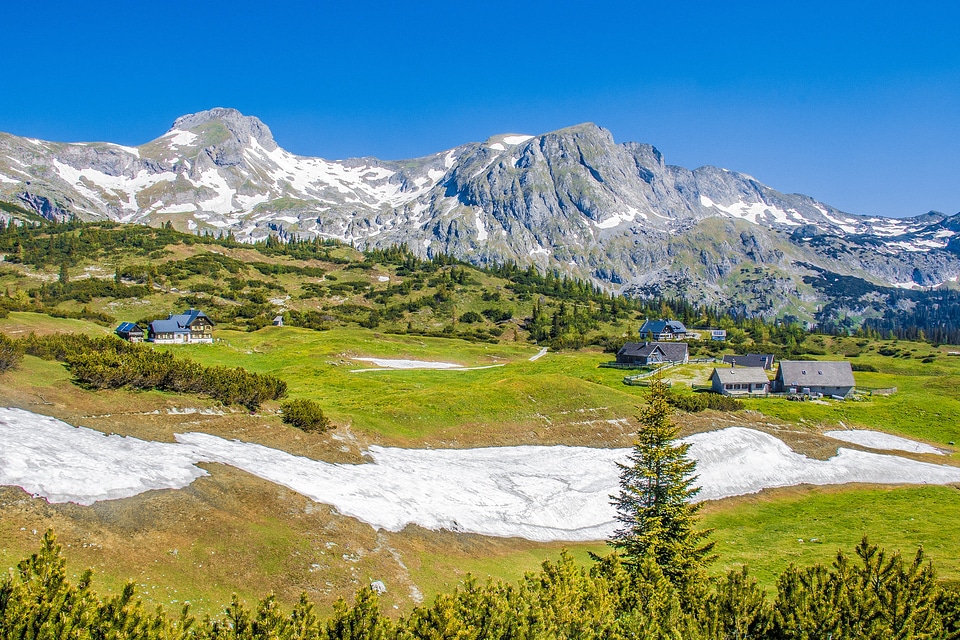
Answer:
(657, 518)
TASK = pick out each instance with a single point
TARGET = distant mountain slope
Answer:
(571, 199)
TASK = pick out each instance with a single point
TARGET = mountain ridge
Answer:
(572, 200)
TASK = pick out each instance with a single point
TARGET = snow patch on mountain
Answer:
(177, 138)
(122, 187)
(755, 212)
(481, 229)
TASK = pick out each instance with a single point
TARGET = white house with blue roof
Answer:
(659, 330)
(192, 327)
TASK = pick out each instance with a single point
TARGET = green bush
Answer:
(11, 353)
(695, 402)
(305, 415)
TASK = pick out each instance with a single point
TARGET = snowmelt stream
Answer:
(536, 492)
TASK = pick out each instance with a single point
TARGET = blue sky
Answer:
(856, 104)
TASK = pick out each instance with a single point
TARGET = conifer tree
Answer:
(657, 518)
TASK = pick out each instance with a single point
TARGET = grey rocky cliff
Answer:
(572, 200)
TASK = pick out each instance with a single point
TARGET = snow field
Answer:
(409, 364)
(535, 492)
(879, 440)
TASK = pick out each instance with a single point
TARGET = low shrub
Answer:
(305, 415)
(695, 402)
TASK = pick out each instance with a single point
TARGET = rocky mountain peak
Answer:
(243, 128)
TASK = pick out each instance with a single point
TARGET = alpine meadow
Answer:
(540, 386)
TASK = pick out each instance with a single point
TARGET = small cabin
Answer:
(278, 321)
(130, 331)
(740, 381)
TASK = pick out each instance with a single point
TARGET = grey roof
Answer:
(816, 373)
(178, 323)
(669, 351)
(764, 360)
(658, 326)
(747, 375)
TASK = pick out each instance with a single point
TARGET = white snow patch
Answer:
(410, 364)
(51, 459)
(879, 440)
(247, 203)
(222, 200)
(754, 211)
(178, 208)
(482, 234)
(843, 224)
(123, 187)
(536, 492)
(516, 139)
(180, 138)
(131, 150)
(496, 146)
(383, 278)
(4, 178)
(617, 219)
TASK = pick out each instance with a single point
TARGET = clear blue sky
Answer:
(854, 103)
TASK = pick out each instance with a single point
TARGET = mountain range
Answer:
(571, 200)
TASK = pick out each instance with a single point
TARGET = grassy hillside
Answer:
(234, 532)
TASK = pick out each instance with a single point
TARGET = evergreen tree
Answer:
(654, 508)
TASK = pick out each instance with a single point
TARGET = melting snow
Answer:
(481, 229)
(516, 139)
(879, 440)
(754, 211)
(536, 492)
(617, 219)
(496, 146)
(178, 208)
(181, 138)
(131, 150)
(125, 185)
(410, 364)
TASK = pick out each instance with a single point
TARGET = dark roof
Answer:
(670, 351)
(658, 326)
(816, 373)
(764, 360)
(127, 327)
(749, 375)
(179, 322)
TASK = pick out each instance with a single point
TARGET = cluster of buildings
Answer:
(742, 374)
(192, 327)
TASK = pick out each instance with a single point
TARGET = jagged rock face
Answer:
(572, 199)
